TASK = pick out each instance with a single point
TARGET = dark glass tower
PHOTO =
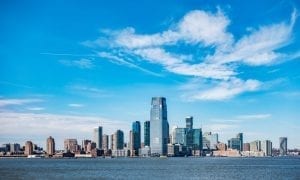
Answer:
(283, 146)
(136, 133)
(147, 133)
(159, 129)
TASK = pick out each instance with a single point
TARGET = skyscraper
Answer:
(28, 148)
(189, 122)
(266, 147)
(50, 146)
(98, 137)
(147, 133)
(283, 146)
(105, 146)
(236, 143)
(159, 129)
(136, 137)
(71, 145)
(118, 140)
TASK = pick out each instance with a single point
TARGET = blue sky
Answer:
(68, 66)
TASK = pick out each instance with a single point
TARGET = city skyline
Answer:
(68, 67)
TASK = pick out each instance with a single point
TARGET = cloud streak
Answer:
(8, 102)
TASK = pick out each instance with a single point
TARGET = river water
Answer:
(152, 168)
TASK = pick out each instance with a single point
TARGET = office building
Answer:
(179, 136)
(147, 133)
(84, 144)
(14, 148)
(71, 145)
(236, 143)
(118, 140)
(50, 146)
(105, 143)
(159, 129)
(210, 141)
(135, 140)
(28, 148)
(246, 147)
(266, 147)
(189, 122)
(255, 146)
(98, 137)
(283, 146)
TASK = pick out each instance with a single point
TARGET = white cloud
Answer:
(81, 63)
(224, 90)
(254, 116)
(7, 102)
(35, 108)
(75, 105)
(88, 91)
(223, 53)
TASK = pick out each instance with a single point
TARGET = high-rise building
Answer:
(246, 147)
(136, 138)
(210, 140)
(15, 147)
(266, 147)
(71, 145)
(147, 133)
(50, 146)
(159, 129)
(255, 146)
(236, 143)
(98, 137)
(105, 142)
(283, 146)
(118, 140)
(197, 139)
(28, 148)
(189, 122)
(85, 143)
(179, 136)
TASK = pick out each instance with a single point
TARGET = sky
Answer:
(69, 66)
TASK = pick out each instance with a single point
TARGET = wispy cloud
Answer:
(203, 30)
(87, 91)
(8, 102)
(254, 116)
(35, 108)
(81, 63)
(75, 105)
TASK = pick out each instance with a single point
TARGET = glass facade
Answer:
(136, 133)
(147, 133)
(159, 129)
(283, 146)
(98, 137)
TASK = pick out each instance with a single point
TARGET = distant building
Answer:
(118, 140)
(159, 129)
(105, 143)
(147, 133)
(136, 138)
(90, 147)
(236, 143)
(266, 147)
(255, 146)
(221, 147)
(246, 147)
(71, 145)
(50, 146)
(179, 136)
(189, 122)
(210, 140)
(98, 137)
(14, 148)
(145, 151)
(28, 148)
(85, 144)
(283, 146)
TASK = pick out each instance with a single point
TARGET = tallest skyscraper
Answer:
(159, 129)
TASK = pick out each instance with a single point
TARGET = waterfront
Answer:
(152, 168)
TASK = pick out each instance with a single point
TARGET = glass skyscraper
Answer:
(98, 137)
(159, 129)
(147, 133)
(136, 133)
(283, 146)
